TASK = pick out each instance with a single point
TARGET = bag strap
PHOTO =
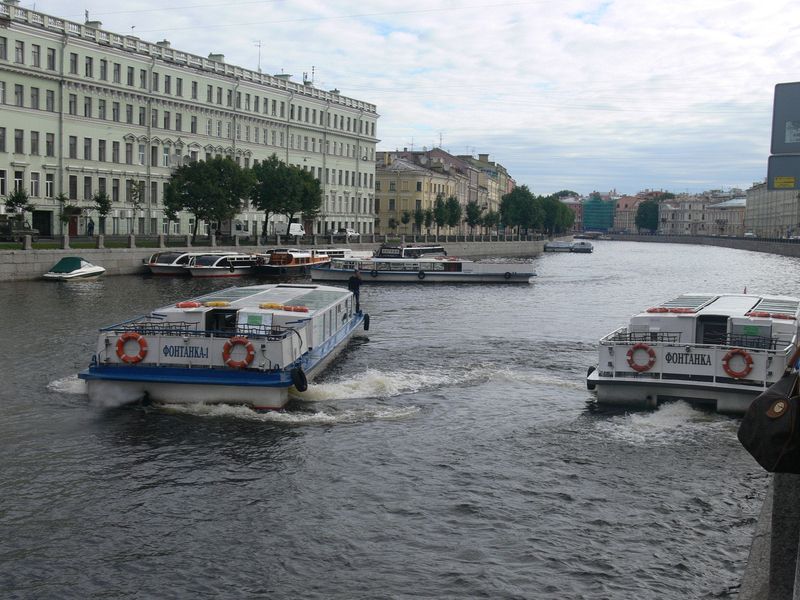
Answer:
(795, 357)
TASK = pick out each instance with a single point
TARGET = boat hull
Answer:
(219, 271)
(75, 275)
(323, 274)
(282, 270)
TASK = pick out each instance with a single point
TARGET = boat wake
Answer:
(68, 385)
(331, 417)
(671, 424)
(375, 384)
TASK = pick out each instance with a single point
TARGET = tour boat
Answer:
(173, 262)
(246, 345)
(409, 251)
(228, 264)
(73, 267)
(720, 350)
(289, 262)
(433, 269)
(581, 247)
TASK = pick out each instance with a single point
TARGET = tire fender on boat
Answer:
(590, 385)
(366, 322)
(374, 272)
(238, 340)
(299, 379)
(507, 275)
(636, 366)
(131, 358)
(748, 363)
(421, 275)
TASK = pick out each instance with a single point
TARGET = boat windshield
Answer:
(166, 257)
(206, 260)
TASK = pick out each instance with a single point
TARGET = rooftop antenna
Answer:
(132, 28)
(440, 139)
(86, 12)
(258, 43)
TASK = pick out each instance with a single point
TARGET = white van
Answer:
(294, 229)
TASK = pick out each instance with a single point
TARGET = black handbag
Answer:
(769, 429)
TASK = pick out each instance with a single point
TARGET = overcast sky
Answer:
(567, 94)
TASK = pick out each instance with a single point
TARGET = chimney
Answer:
(94, 24)
(216, 57)
(284, 76)
(163, 43)
(483, 157)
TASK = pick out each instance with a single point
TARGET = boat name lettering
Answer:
(186, 351)
(687, 359)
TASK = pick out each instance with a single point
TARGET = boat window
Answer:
(712, 329)
(221, 320)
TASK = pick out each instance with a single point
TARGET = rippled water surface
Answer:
(452, 452)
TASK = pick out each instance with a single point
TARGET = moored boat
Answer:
(720, 350)
(173, 262)
(410, 251)
(247, 345)
(582, 246)
(73, 267)
(289, 262)
(558, 246)
(433, 269)
(229, 264)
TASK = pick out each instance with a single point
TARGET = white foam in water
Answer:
(68, 385)
(671, 423)
(375, 384)
(356, 415)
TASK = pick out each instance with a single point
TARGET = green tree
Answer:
(428, 219)
(392, 223)
(454, 211)
(491, 219)
(519, 208)
(439, 212)
(210, 190)
(647, 215)
(283, 189)
(405, 217)
(473, 216)
(18, 201)
(419, 219)
(102, 203)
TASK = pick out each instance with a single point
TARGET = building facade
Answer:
(83, 110)
(772, 213)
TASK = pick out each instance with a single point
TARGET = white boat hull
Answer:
(422, 277)
(88, 273)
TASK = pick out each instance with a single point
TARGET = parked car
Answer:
(749, 234)
(348, 233)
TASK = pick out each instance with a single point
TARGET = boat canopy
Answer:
(68, 264)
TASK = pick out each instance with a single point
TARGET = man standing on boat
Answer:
(354, 285)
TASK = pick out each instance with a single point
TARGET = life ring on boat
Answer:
(658, 309)
(188, 304)
(748, 363)
(682, 310)
(238, 340)
(217, 303)
(783, 316)
(299, 379)
(374, 272)
(758, 313)
(636, 366)
(421, 275)
(507, 275)
(131, 358)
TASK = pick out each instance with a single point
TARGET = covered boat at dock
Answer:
(73, 267)
(719, 350)
(247, 345)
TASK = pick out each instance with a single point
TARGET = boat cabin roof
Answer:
(313, 297)
(730, 305)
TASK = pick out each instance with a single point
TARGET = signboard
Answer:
(783, 172)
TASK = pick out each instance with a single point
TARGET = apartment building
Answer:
(772, 213)
(403, 187)
(84, 110)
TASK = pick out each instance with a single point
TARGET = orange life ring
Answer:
(658, 309)
(131, 358)
(758, 313)
(650, 362)
(238, 340)
(188, 304)
(748, 363)
(783, 316)
(682, 310)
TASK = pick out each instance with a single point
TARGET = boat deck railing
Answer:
(667, 337)
(183, 328)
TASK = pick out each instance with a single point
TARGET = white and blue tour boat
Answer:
(719, 350)
(430, 269)
(247, 345)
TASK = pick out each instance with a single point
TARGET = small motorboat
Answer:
(73, 267)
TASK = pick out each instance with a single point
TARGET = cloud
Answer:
(581, 94)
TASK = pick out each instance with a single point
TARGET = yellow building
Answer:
(402, 187)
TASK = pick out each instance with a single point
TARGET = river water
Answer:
(452, 452)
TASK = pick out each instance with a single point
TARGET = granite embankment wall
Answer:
(782, 247)
(17, 265)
